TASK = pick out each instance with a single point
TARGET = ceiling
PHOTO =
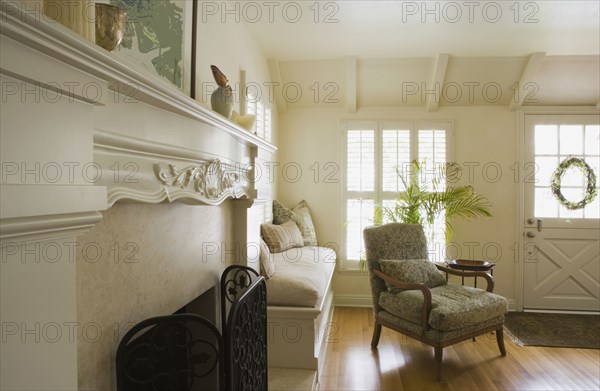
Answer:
(301, 30)
(389, 53)
(466, 81)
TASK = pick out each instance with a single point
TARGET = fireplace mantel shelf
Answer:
(166, 148)
(54, 40)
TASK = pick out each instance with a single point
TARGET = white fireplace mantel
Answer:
(56, 41)
(139, 137)
(67, 156)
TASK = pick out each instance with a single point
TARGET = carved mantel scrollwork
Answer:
(154, 172)
(211, 181)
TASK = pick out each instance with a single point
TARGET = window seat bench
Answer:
(299, 299)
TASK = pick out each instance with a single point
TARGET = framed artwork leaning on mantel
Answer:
(159, 39)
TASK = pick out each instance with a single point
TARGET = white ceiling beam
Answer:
(531, 69)
(275, 74)
(351, 82)
(437, 81)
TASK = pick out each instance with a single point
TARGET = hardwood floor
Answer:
(402, 363)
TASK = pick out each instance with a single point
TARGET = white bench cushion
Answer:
(302, 276)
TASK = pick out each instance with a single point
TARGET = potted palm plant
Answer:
(422, 202)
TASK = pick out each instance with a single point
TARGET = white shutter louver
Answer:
(361, 160)
(432, 152)
(263, 124)
(395, 150)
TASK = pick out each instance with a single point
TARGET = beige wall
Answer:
(482, 136)
(230, 47)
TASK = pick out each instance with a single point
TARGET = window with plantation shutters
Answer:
(361, 160)
(395, 152)
(263, 129)
(263, 123)
(432, 150)
(268, 127)
(360, 193)
(375, 154)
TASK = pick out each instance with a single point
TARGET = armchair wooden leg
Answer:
(500, 340)
(376, 335)
(439, 355)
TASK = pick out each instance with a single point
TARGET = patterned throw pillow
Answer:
(281, 213)
(281, 237)
(267, 265)
(417, 271)
(307, 228)
(299, 214)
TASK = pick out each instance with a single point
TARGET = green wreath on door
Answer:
(590, 190)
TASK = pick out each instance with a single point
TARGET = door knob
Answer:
(530, 234)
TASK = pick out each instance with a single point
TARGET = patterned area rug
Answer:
(554, 330)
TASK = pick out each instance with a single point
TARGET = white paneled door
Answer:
(561, 269)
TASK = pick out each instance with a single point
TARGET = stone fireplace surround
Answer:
(114, 208)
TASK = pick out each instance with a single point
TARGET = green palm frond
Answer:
(422, 202)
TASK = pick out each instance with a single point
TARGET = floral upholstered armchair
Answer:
(411, 295)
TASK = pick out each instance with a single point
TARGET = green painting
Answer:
(158, 38)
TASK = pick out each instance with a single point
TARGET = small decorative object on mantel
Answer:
(110, 25)
(221, 99)
(245, 121)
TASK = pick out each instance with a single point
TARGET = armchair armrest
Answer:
(412, 286)
(486, 276)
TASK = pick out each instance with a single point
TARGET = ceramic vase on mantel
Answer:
(221, 99)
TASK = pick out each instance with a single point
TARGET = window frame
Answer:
(378, 195)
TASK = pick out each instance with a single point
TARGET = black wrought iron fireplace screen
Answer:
(188, 352)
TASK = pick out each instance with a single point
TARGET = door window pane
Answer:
(545, 203)
(572, 177)
(594, 163)
(572, 195)
(545, 166)
(571, 139)
(592, 210)
(592, 140)
(546, 140)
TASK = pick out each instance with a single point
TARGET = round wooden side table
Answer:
(470, 265)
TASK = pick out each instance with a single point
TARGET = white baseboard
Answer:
(346, 300)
